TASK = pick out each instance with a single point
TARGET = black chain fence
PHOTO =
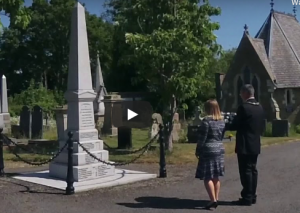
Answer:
(130, 152)
(7, 141)
(143, 150)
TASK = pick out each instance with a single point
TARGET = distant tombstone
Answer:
(37, 122)
(197, 121)
(25, 122)
(176, 127)
(154, 129)
(157, 117)
(192, 134)
(156, 121)
(280, 128)
(124, 138)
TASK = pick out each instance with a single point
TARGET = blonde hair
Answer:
(212, 108)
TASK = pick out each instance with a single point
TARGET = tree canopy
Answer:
(15, 11)
(167, 48)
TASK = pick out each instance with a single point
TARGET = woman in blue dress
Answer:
(210, 151)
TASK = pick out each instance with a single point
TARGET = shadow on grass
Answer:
(171, 203)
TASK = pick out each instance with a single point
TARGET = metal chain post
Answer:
(70, 176)
(162, 160)
(2, 173)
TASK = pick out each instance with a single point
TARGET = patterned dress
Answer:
(210, 149)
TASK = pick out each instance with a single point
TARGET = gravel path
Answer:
(278, 190)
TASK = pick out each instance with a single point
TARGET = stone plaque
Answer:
(85, 173)
(93, 172)
(89, 159)
(88, 136)
(86, 113)
(92, 146)
(102, 170)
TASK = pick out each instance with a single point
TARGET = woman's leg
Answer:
(217, 186)
(210, 188)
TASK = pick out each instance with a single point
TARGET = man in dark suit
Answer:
(249, 124)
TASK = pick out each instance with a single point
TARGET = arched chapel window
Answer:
(288, 97)
(255, 86)
(239, 86)
(247, 75)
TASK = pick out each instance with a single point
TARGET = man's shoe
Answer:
(253, 200)
(243, 202)
(2, 173)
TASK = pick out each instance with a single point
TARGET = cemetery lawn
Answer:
(183, 153)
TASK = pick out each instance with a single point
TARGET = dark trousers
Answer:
(1, 156)
(248, 176)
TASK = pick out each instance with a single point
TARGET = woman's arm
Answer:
(202, 135)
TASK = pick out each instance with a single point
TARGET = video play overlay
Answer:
(133, 114)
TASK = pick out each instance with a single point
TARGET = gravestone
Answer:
(124, 138)
(192, 134)
(25, 122)
(4, 106)
(156, 121)
(197, 121)
(61, 122)
(111, 102)
(80, 97)
(176, 128)
(37, 122)
(154, 129)
(280, 128)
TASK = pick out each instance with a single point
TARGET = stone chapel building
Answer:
(270, 61)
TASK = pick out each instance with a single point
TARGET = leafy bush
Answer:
(34, 95)
(268, 130)
(297, 129)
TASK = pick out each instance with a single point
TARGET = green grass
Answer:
(183, 153)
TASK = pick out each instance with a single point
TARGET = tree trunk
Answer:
(169, 125)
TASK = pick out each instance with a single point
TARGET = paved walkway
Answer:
(278, 191)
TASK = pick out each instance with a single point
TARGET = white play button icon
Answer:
(131, 114)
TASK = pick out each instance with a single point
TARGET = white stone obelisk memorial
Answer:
(80, 96)
(4, 106)
(100, 90)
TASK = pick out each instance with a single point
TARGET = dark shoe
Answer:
(253, 200)
(243, 202)
(211, 205)
(2, 173)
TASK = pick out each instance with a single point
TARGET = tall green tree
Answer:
(172, 47)
(14, 9)
(40, 51)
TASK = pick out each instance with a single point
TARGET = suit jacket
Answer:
(249, 124)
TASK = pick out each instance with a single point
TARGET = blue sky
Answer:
(235, 14)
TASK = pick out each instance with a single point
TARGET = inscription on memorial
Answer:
(86, 115)
(102, 170)
(90, 146)
(89, 159)
(89, 136)
(84, 173)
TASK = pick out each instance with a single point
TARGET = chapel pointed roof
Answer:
(279, 34)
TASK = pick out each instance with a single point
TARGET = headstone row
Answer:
(31, 122)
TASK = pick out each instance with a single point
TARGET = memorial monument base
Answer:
(120, 177)
(81, 173)
(7, 125)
